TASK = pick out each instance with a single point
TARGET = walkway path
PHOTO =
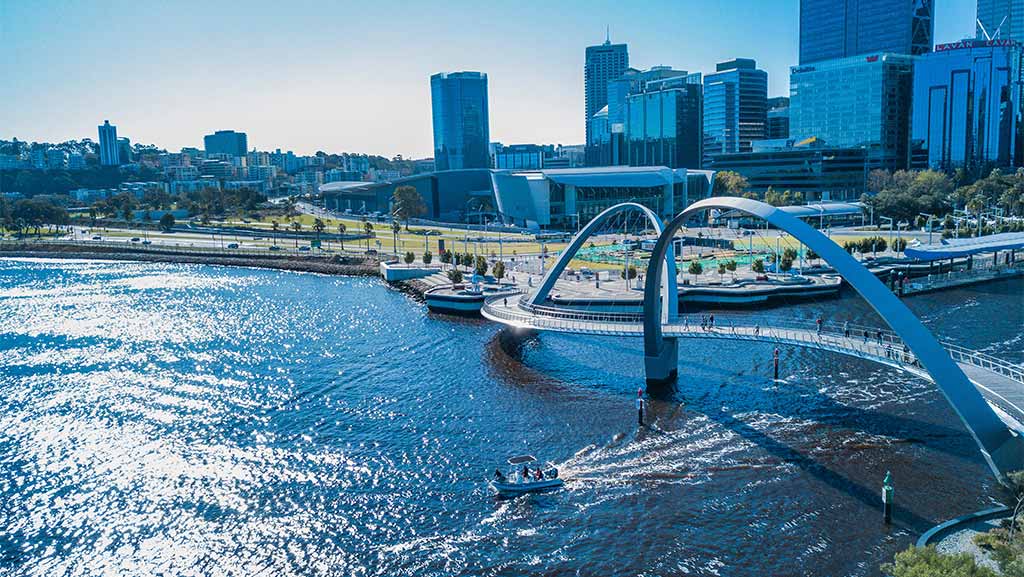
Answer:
(1000, 382)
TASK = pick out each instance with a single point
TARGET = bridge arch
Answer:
(1003, 450)
(668, 279)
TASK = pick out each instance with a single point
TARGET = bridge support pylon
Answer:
(663, 368)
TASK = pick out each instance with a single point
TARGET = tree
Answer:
(498, 270)
(455, 276)
(481, 266)
(757, 266)
(927, 562)
(274, 225)
(368, 230)
(167, 222)
(319, 227)
(395, 228)
(878, 180)
(296, 226)
(446, 257)
(696, 269)
(721, 271)
(427, 257)
(729, 183)
(408, 203)
(851, 246)
(341, 235)
(789, 253)
(786, 264)
(731, 267)
(409, 257)
(899, 244)
(631, 271)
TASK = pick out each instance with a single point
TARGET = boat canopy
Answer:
(521, 459)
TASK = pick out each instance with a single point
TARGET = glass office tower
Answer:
(862, 101)
(664, 125)
(604, 63)
(967, 106)
(840, 28)
(226, 142)
(735, 107)
(461, 125)
(1001, 19)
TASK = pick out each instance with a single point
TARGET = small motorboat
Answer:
(515, 483)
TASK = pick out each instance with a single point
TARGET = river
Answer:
(200, 420)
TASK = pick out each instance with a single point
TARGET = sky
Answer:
(354, 76)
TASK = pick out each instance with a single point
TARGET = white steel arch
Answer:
(668, 279)
(1003, 450)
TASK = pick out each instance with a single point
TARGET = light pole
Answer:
(930, 217)
(880, 217)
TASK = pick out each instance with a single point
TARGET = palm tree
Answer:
(296, 226)
(341, 235)
(368, 229)
(274, 225)
(319, 227)
(395, 228)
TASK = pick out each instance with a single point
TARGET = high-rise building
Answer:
(226, 142)
(778, 118)
(735, 106)
(608, 125)
(664, 123)
(831, 29)
(861, 101)
(1001, 19)
(968, 107)
(461, 121)
(109, 153)
(124, 150)
(604, 63)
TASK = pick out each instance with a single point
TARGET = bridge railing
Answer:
(877, 343)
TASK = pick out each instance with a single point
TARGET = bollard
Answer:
(640, 407)
(887, 494)
(775, 359)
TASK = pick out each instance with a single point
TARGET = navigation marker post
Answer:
(887, 495)
(775, 361)
(640, 406)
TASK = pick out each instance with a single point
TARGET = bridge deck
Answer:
(1000, 382)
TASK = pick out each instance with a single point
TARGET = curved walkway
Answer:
(999, 381)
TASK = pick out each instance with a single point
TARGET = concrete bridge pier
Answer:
(663, 368)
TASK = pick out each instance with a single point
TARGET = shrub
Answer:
(758, 266)
(632, 272)
(696, 268)
(927, 562)
(427, 257)
(409, 257)
(455, 275)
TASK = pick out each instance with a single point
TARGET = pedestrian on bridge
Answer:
(846, 329)
(818, 321)
(711, 321)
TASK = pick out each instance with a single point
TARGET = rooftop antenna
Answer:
(607, 34)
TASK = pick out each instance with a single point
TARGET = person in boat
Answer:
(526, 473)
(499, 476)
(539, 475)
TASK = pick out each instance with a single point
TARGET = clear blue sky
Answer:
(353, 76)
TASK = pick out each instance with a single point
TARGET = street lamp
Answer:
(930, 217)
(880, 217)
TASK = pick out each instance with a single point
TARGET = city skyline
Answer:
(300, 87)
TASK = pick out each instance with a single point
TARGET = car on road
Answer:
(232, 245)
(97, 237)
(304, 248)
(275, 247)
(136, 239)
(147, 242)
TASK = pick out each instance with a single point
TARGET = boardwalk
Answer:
(1000, 382)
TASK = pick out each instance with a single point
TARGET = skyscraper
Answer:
(461, 122)
(663, 122)
(735, 106)
(855, 102)
(1002, 19)
(604, 63)
(778, 118)
(109, 153)
(226, 142)
(968, 106)
(832, 29)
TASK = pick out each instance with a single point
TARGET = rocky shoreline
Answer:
(335, 265)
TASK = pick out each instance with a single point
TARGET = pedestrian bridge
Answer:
(999, 381)
(986, 393)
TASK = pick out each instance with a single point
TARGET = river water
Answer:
(195, 420)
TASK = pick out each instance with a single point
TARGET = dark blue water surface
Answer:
(192, 420)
